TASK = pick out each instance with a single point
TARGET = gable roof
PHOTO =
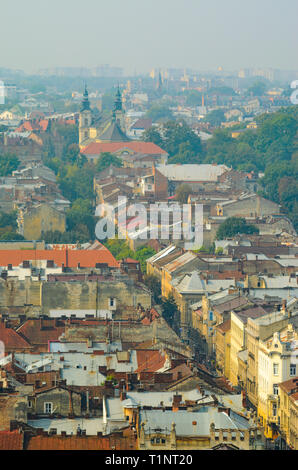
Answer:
(149, 360)
(149, 148)
(181, 261)
(11, 339)
(113, 133)
(142, 124)
(38, 331)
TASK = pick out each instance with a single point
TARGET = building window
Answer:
(112, 301)
(292, 370)
(275, 389)
(275, 369)
(48, 408)
(274, 409)
(210, 316)
(29, 404)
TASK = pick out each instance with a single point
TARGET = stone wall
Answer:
(90, 295)
(60, 400)
(15, 293)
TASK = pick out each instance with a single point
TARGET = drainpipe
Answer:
(71, 413)
(87, 401)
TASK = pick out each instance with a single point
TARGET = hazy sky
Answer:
(141, 34)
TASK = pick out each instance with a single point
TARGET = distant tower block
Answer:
(159, 82)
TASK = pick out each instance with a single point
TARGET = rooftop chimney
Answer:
(176, 401)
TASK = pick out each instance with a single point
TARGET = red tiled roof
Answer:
(290, 386)
(68, 443)
(11, 339)
(86, 258)
(41, 125)
(38, 331)
(225, 326)
(149, 360)
(96, 148)
(11, 440)
(154, 313)
(59, 442)
(150, 316)
(130, 260)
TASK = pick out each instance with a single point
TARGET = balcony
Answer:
(273, 419)
(273, 398)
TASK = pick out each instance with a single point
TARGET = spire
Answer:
(85, 102)
(118, 101)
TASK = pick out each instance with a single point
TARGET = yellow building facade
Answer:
(32, 222)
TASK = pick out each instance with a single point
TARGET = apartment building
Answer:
(276, 364)
(288, 412)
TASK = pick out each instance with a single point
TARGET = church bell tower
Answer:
(118, 112)
(85, 118)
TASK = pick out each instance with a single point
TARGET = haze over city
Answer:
(140, 35)
(149, 228)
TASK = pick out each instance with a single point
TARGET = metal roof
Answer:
(184, 421)
(189, 172)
